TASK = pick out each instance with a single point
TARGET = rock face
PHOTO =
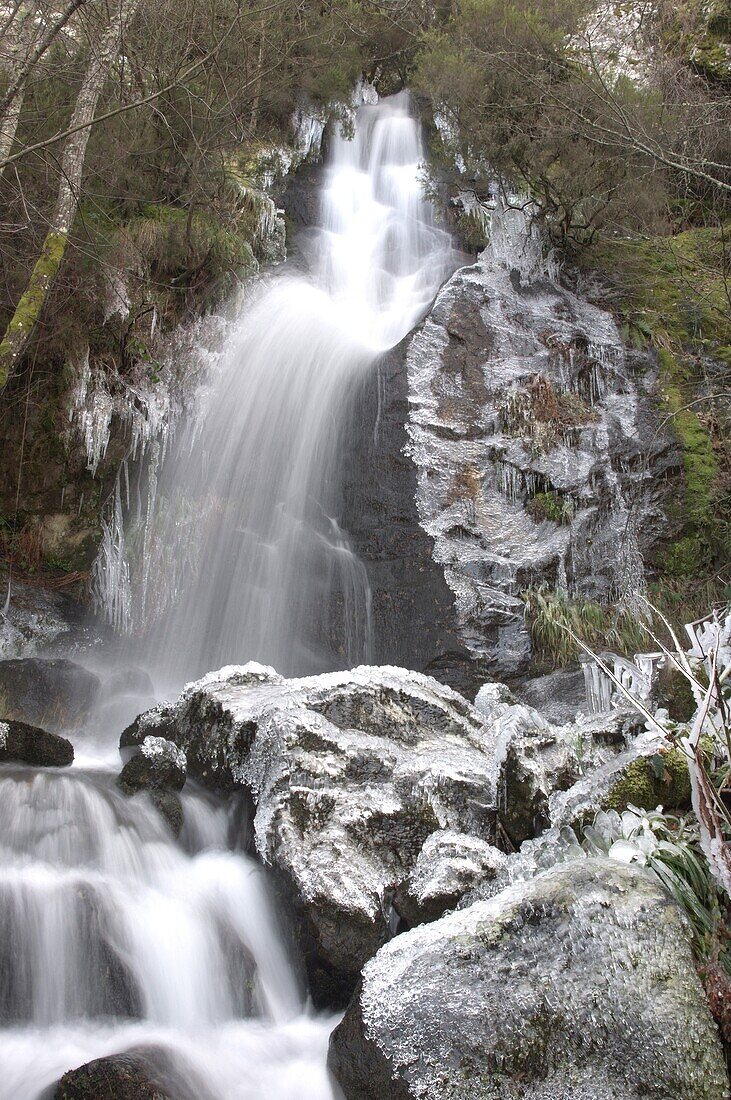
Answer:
(532, 429)
(413, 611)
(143, 1073)
(351, 774)
(46, 692)
(576, 985)
(24, 744)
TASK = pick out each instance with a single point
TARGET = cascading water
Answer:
(246, 545)
(113, 936)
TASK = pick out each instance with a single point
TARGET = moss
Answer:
(673, 296)
(660, 780)
(31, 302)
(699, 460)
(551, 506)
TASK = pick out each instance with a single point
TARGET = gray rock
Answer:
(350, 773)
(531, 430)
(47, 692)
(21, 743)
(157, 764)
(143, 1073)
(537, 760)
(577, 985)
(447, 867)
(559, 696)
(646, 774)
(159, 767)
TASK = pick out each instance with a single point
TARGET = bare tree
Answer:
(104, 48)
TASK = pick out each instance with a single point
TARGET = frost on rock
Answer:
(351, 773)
(157, 747)
(447, 867)
(531, 433)
(32, 619)
(576, 985)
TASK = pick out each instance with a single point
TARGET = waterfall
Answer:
(246, 557)
(114, 937)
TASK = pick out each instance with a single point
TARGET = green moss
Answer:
(31, 302)
(660, 780)
(673, 296)
(699, 460)
(551, 506)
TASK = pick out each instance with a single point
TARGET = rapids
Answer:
(114, 936)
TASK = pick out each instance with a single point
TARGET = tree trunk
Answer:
(18, 39)
(103, 52)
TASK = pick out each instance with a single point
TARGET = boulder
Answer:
(157, 765)
(143, 1073)
(21, 743)
(447, 867)
(576, 985)
(351, 773)
(559, 695)
(539, 760)
(47, 692)
(649, 772)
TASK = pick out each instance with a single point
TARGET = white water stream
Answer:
(113, 936)
(245, 542)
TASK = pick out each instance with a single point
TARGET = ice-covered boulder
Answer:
(447, 867)
(351, 773)
(648, 772)
(535, 760)
(576, 985)
(156, 765)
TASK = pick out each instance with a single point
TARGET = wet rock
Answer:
(649, 772)
(157, 765)
(577, 985)
(143, 1073)
(47, 692)
(531, 429)
(39, 619)
(448, 865)
(350, 774)
(170, 807)
(559, 696)
(21, 743)
(538, 759)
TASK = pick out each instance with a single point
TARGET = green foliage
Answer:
(552, 614)
(187, 252)
(669, 846)
(522, 105)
